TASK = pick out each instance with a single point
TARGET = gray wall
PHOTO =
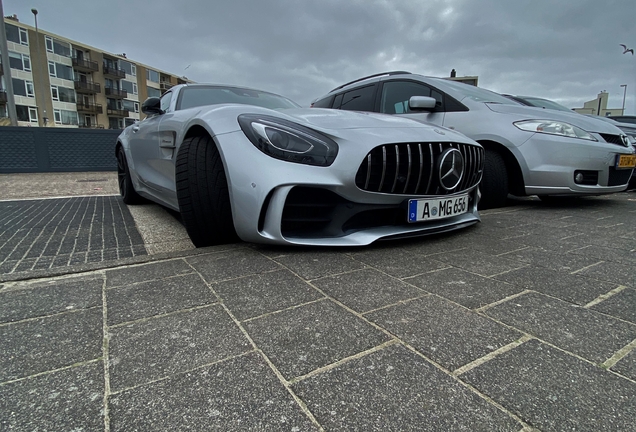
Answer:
(35, 149)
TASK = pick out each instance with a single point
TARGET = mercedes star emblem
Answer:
(451, 168)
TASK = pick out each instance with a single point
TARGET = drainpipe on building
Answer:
(4, 51)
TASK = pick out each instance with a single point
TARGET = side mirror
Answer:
(422, 103)
(151, 106)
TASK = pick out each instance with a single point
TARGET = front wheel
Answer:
(202, 192)
(494, 183)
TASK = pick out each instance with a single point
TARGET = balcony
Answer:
(117, 112)
(89, 107)
(87, 87)
(85, 65)
(165, 85)
(3, 97)
(114, 72)
(116, 93)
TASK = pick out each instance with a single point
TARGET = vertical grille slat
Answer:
(414, 169)
(408, 172)
(397, 167)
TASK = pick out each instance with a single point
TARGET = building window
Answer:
(65, 117)
(63, 94)
(22, 87)
(129, 86)
(152, 75)
(16, 34)
(57, 46)
(59, 70)
(136, 107)
(19, 61)
(153, 92)
(128, 67)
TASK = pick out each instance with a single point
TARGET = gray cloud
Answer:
(566, 50)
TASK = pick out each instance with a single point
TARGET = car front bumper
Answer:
(278, 202)
(551, 163)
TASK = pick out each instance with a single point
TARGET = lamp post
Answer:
(42, 119)
(624, 93)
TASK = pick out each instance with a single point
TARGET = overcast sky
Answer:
(565, 50)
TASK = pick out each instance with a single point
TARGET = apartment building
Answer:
(58, 82)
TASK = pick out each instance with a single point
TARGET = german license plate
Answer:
(438, 208)
(626, 161)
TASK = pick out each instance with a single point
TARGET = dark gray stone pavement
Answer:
(525, 322)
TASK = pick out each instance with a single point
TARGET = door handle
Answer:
(135, 128)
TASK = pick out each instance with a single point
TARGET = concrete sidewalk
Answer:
(525, 322)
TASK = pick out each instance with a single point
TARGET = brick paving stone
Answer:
(237, 394)
(446, 333)
(368, 289)
(30, 347)
(467, 289)
(148, 350)
(396, 390)
(70, 399)
(146, 272)
(591, 335)
(302, 339)
(621, 305)
(41, 299)
(554, 391)
(315, 264)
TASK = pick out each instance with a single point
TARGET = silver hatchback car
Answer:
(529, 151)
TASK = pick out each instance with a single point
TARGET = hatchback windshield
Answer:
(200, 96)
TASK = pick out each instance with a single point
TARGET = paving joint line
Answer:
(66, 312)
(478, 362)
(619, 355)
(51, 371)
(605, 296)
(163, 315)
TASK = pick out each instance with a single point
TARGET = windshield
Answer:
(544, 103)
(196, 96)
(466, 91)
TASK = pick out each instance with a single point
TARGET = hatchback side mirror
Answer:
(152, 105)
(422, 103)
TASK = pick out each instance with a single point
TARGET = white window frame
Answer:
(136, 107)
(134, 88)
(26, 60)
(57, 116)
(33, 115)
(54, 74)
(133, 69)
(30, 90)
(49, 40)
(55, 93)
(23, 40)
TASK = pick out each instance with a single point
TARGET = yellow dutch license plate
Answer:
(626, 161)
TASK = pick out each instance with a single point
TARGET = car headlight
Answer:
(288, 141)
(554, 128)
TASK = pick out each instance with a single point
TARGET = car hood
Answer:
(340, 119)
(588, 124)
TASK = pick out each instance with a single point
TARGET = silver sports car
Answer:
(238, 162)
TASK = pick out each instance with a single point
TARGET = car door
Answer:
(166, 150)
(144, 148)
(394, 98)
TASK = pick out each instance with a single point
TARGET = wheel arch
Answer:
(516, 184)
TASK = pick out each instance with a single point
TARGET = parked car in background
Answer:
(624, 119)
(239, 162)
(529, 150)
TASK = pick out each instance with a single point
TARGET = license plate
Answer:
(626, 161)
(438, 208)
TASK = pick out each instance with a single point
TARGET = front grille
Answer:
(618, 177)
(413, 168)
(613, 139)
(309, 211)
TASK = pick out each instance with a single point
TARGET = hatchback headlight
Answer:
(288, 141)
(554, 128)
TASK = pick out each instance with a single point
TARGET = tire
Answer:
(202, 193)
(126, 188)
(494, 183)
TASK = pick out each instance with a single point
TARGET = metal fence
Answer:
(37, 149)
